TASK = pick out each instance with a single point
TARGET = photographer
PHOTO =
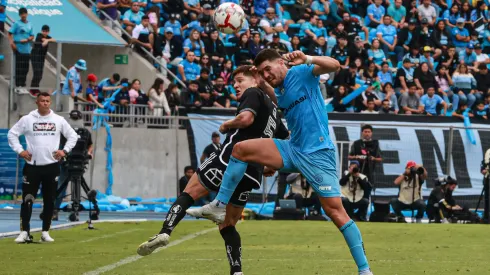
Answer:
(42, 129)
(442, 208)
(366, 151)
(304, 196)
(76, 122)
(356, 190)
(410, 196)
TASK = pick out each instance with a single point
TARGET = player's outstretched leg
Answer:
(334, 209)
(232, 239)
(193, 191)
(261, 151)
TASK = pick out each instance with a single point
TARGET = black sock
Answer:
(233, 246)
(176, 213)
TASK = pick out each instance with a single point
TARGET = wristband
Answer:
(309, 60)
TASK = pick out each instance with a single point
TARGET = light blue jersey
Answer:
(21, 31)
(74, 76)
(304, 109)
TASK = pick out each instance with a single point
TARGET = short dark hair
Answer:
(45, 28)
(116, 77)
(384, 63)
(482, 66)
(386, 15)
(43, 94)
(145, 17)
(187, 168)
(366, 126)
(22, 11)
(244, 69)
(194, 82)
(385, 100)
(352, 65)
(266, 55)
(204, 70)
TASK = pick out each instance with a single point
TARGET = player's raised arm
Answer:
(323, 64)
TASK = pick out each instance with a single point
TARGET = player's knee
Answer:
(239, 151)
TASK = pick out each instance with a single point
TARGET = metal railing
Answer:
(148, 53)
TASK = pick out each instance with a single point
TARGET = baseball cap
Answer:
(215, 134)
(275, 35)
(477, 46)
(207, 6)
(406, 60)
(427, 49)
(354, 162)
(169, 30)
(424, 21)
(412, 21)
(470, 46)
(75, 114)
(411, 164)
(357, 39)
(460, 20)
(145, 17)
(91, 77)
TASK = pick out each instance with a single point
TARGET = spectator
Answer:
(158, 99)
(353, 28)
(346, 77)
(427, 11)
(337, 9)
(141, 98)
(440, 38)
(242, 51)
(318, 48)
(306, 32)
(142, 36)
(398, 13)
(321, 8)
(222, 96)
(341, 51)
(386, 34)
(410, 102)
(358, 50)
(192, 7)
(215, 48)
(427, 58)
(370, 95)
(122, 97)
(468, 57)
(107, 86)
(260, 7)
(414, 55)
(3, 16)
(206, 88)
(385, 75)
(385, 107)
(174, 23)
(464, 84)
(424, 78)
(110, 21)
(92, 91)
(73, 85)
(445, 82)
(461, 110)
(200, 25)
(206, 63)
(256, 46)
(123, 5)
(253, 24)
(424, 32)
(480, 112)
(295, 43)
(404, 77)
(371, 73)
(481, 58)
(133, 91)
(20, 36)
(172, 93)
(142, 4)
(194, 44)
(277, 45)
(270, 24)
(132, 17)
(226, 71)
(451, 16)
(38, 55)
(388, 93)
(450, 59)
(190, 97)
(337, 101)
(375, 14)
(482, 79)
(213, 148)
(376, 54)
(339, 30)
(188, 70)
(480, 11)
(171, 50)
(412, 11)
(460, 35)
(154, 17)
(188, 172)
(486, 40)
(432, 103)
(371, 108)
(407, 36)
(175, 7)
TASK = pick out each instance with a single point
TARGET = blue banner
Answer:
(67, 24)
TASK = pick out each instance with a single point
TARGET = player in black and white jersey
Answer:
(256, 117)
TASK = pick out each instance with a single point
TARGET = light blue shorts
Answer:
(319, 168)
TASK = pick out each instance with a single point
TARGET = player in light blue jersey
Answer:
(295, 79)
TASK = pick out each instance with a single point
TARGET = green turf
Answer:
(269, 247)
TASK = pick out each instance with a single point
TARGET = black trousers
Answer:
(418, 205)
(361, 205)
(33, 177)
(21, 68)
(38, 67)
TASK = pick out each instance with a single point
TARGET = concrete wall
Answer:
(144, 161)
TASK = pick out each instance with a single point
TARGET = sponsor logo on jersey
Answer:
(294, 103)
(325, 188)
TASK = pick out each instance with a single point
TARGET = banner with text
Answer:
(67, 24)
(425, 143)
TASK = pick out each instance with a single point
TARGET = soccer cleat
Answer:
(23, 237)
(46, 238)
(153, 243)
(366, 272)
(238, 273)
(210, 212)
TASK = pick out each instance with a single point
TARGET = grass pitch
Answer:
(269, 247)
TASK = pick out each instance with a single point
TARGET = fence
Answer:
(149, 157)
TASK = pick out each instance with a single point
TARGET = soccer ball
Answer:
(229, 18)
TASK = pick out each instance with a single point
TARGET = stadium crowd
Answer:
(409, 57)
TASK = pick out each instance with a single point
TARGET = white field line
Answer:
(109, 235)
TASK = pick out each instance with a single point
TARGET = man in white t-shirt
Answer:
(480, 56)
(270, 24)
(142, 37)
(427, 11)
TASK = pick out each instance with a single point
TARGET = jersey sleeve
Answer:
(281, 132)
(305, 72)
(250, 101)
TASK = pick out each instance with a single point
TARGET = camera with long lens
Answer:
(77, 160)
(419, 171)
(355, 170)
